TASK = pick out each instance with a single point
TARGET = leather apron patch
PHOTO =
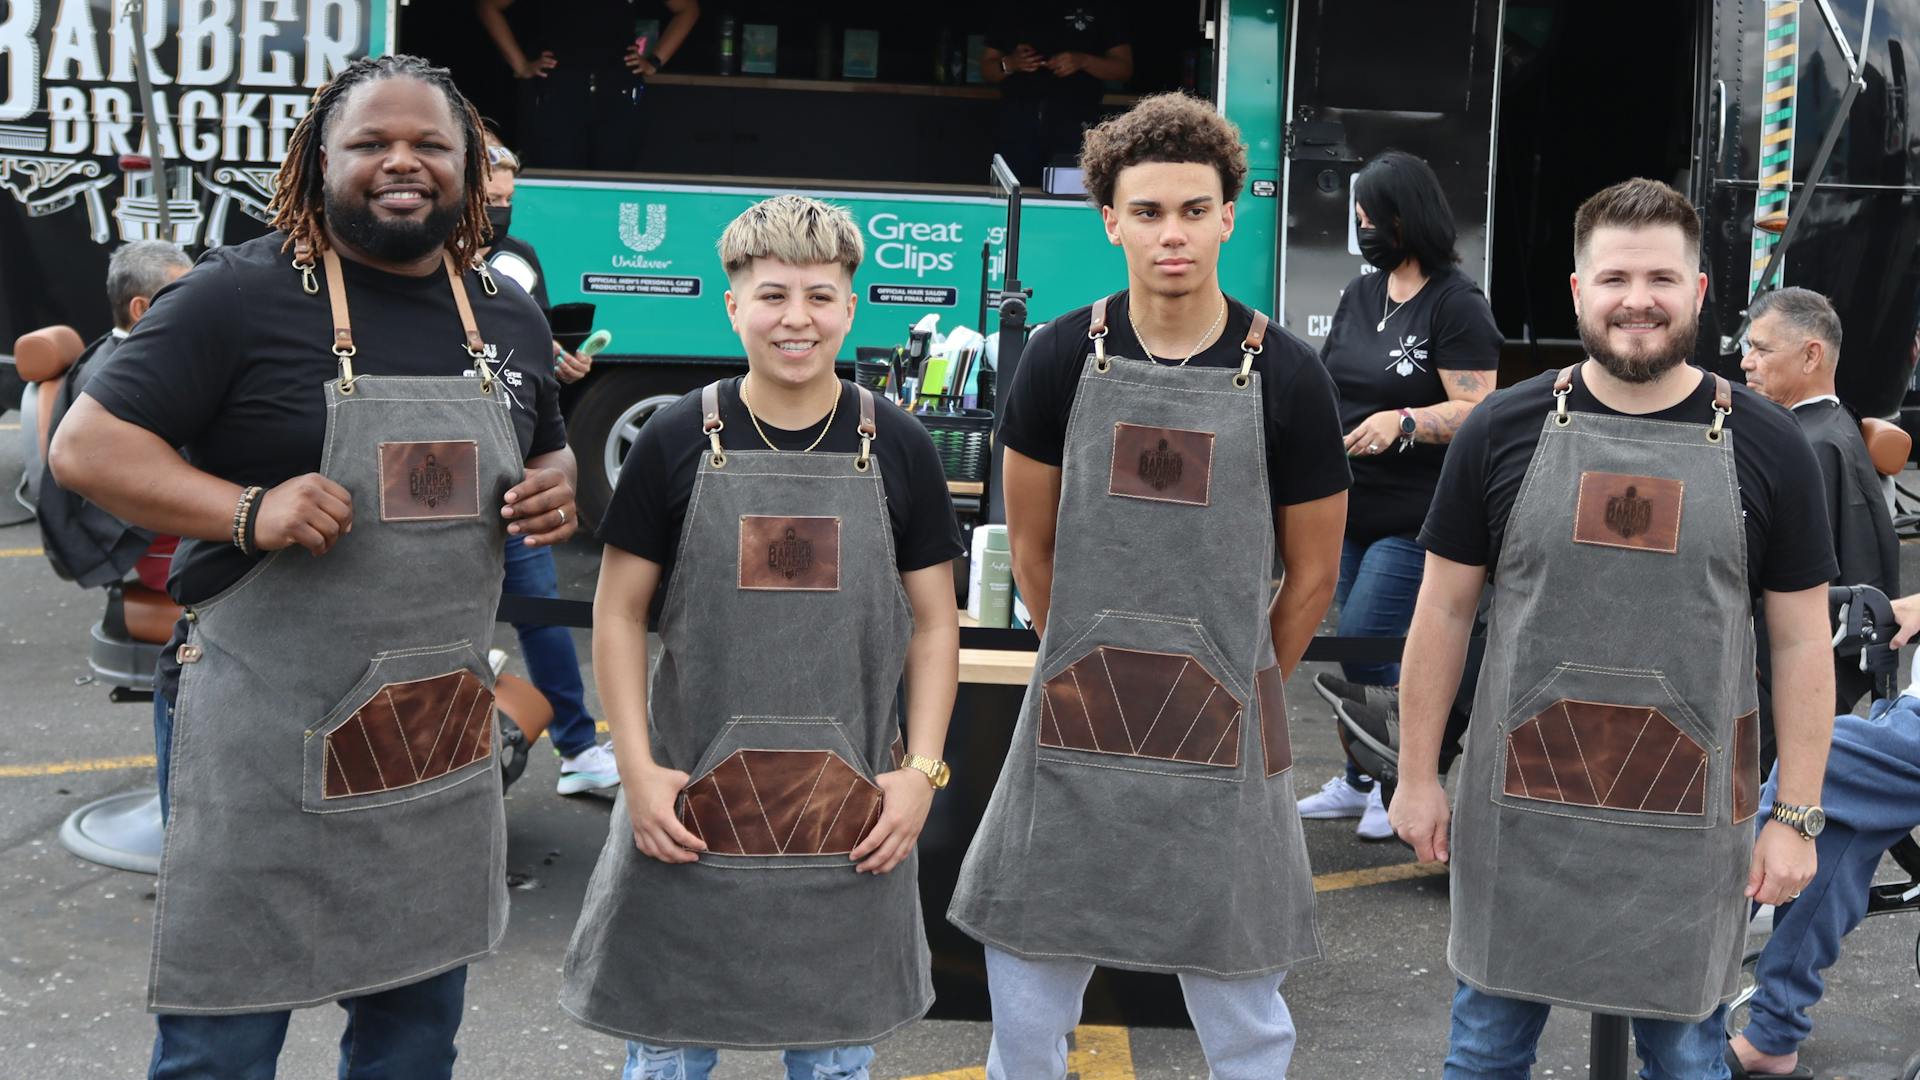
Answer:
(1162, 464)
(1639, 512)
(790, 553)
(429, 481)
(1621, 757)
(1142, 704)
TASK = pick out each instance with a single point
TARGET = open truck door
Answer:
(1367, 76)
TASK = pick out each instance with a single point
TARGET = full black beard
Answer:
(1642, 367)
(391, 241)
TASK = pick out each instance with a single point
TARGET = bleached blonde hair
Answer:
(792, 229)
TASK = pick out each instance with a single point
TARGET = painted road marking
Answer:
(58, 768)
(20, 553)
(1376, 875)
(1098, 1052)
(9, 427)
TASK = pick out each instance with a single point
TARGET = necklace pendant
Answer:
(1380, 327)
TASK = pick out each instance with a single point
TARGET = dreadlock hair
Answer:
(299, 194)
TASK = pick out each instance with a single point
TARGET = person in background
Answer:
(581, 105)
(1050, 61)
(1793, 350)
(1413, 348)
(585, 763)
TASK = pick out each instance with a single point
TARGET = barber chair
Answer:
(1887, 445)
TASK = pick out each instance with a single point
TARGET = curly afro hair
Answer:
(1171, 127)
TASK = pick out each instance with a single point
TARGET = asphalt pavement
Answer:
(74, 936)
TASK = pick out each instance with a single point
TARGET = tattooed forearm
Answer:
(1438, 423)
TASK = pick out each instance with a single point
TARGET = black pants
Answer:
(580, 118)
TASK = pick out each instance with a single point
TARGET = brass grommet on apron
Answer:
(1562, 389)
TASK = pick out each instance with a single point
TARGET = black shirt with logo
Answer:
(1051, 29)
(1305, 456)
(649, 507)
(1782, 500)
(1446, 326)
(229, 363)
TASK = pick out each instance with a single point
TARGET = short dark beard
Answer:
(398, 241)
(1647, 366)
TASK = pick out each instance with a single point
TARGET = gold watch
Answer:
(935, 770)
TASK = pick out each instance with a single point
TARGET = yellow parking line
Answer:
(9, 427)
(57, 768)
(21, 553)
(1376, 875)
(1099, 1053)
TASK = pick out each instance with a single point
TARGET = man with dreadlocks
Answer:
(352, 385)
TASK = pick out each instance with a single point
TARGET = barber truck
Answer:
(1790, 124)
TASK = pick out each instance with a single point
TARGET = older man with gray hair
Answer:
(1793, 350)
(86, 544)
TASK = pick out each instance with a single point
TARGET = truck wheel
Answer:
(607, 419)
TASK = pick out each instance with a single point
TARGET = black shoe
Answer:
(1372, 737)
(1334, 691)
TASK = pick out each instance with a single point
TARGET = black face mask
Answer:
(1377, 247)
(498, 219)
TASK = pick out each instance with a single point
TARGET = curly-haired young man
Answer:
(348, 384)
(1160, 445)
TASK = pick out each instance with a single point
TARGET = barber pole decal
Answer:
(1777, 103)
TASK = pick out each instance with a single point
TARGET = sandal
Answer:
(1741, 1072)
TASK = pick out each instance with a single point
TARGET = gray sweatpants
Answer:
(1243, 1024)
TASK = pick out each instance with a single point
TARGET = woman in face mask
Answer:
(1412, 349)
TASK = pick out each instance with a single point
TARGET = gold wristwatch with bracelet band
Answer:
(935, 770)
(1808, 821)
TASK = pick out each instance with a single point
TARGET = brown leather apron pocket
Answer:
(781, 787)
(1746, 766)
(1610, 745)
(1275, 742)
(418, 720)
(1165, 707)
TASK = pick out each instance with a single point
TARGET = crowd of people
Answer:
(374, 383)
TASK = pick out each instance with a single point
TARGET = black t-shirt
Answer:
(513, 259)
(649, 507)
(1305, 456)
(590, 33)
(1781, 497)
(1053, 29)
(1446, 325)
(228, 365)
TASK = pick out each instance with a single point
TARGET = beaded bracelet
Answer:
(242, 519)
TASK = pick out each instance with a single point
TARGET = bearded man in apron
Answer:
(759, 887)
(352, 385)
(1627, 510)
(1159, 446)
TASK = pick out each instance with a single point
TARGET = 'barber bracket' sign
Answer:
(231, 79)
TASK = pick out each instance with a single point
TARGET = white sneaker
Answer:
(1373, 823)
(1335, 799)
(592, 769)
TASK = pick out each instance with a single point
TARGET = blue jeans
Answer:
(1494, 1038)
(162, 746)
(1378, 584)
(400, 1034)
(548, 650)
(695, 1063)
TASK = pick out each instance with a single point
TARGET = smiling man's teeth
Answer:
(794, 346)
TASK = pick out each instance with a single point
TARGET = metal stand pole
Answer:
(1610, 1057)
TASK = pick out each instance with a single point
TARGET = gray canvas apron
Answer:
(783, 637)
(1145, 816)
(1602, 832)
(336, 824)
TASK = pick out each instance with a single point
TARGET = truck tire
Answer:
(607, 418)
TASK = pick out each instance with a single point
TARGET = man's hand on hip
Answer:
(541, 509)
(309, 511)
(1783, 863)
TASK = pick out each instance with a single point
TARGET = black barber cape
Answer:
(85, 544)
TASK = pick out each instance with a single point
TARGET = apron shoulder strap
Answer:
(1256, 333)
(1563, 382)
(710, 407)
(337, 300)
(1097, 327)
(476, 346)
(1722, 394)
(867, 428)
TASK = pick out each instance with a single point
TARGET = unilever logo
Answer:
(641, 241)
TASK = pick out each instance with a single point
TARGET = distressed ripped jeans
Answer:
(696, 1063)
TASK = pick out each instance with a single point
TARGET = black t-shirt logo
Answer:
(1405, 357)
(1628, 514)
(430, 482)
(790, 555)
(1080, 18)
(1160, 466)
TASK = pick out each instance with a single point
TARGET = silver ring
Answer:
(1373, 448)
(563, 515)
(1795, 896)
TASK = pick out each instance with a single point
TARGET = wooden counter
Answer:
(994, 667)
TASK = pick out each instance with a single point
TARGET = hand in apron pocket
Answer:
(778, 787)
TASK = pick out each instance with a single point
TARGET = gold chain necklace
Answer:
(831, 413)
(1142, 339)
